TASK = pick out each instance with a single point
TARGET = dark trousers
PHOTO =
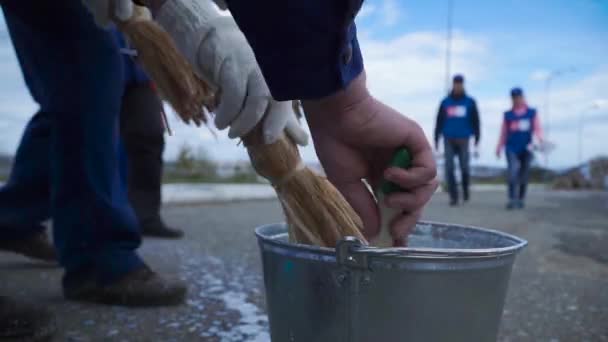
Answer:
(457, 148)
(68, 166)
(518, 173)
(142, 130)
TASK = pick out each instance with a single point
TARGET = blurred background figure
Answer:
(457, 121)
(142, 131)
(520, 125)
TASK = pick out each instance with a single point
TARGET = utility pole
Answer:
(448, 48)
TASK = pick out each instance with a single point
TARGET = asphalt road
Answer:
(558, 291)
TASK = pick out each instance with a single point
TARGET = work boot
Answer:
(141, 287)
(161, 230)
(37, 246)
(24, 322)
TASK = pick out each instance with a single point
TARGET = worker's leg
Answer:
(74, 72)
(449, 153)
(25, 199)
(524, 175)
(512, 178)
(464, 162)
(142, 130)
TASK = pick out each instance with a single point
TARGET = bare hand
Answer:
(355, 137)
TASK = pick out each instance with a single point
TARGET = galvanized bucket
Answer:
(448, 285)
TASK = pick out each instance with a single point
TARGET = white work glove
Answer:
(221, 4)
(221, 55)
(104, 11)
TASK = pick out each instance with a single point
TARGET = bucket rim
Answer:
(405, 252)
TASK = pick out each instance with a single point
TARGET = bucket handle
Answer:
(353, 252)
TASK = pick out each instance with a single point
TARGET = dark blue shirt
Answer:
(306, 49)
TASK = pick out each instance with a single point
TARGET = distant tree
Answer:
(185, 159)
(204, 165)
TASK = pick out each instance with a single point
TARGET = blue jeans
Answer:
(518, 173)
(459, 148)
(68, 165)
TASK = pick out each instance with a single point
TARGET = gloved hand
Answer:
(221, 4)
(104, 11)
(221, 55)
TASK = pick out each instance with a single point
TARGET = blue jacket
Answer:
(306, 49)
(457, 118)
(133, 72)
(519, 130)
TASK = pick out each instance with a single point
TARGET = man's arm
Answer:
(439, 124)
(502, 139)
(538, 129)
(475, 122)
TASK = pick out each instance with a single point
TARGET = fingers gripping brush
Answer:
(173, 75)
(401, 159)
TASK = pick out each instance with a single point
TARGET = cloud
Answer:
(391, 13)
(407, 71)
(366, 11)
(539, 75)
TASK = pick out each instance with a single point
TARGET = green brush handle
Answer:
(401, 159)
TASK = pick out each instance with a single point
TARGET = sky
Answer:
(496, 44)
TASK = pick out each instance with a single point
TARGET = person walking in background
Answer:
(457, 121)
(142, 131)
(519, 126)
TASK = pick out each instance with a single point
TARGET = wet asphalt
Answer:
(558, 290)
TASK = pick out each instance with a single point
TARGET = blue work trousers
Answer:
(68, 166)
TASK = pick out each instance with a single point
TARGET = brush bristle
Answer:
(172, 73)
(317, 214)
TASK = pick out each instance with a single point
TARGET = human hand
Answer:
(476, 152)
(104, 11)
(221, 55)
(355, 138)
(498, 153)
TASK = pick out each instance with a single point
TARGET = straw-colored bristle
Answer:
(316, 212)
(171, 72)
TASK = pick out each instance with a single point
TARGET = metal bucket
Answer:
(448, 285)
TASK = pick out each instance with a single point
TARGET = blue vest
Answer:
(133, 72)
(519, 130)
(457, 123)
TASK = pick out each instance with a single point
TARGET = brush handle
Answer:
(401, 159)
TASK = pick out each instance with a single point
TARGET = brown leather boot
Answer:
(37, 246)
(24, 322)
(141, 287)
